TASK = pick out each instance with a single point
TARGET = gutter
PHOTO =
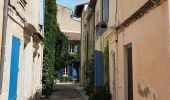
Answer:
(3, 45)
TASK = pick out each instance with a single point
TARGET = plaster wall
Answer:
(30, 12)
(127, 8)
(63, 17)
(83, 44)
(16, 30)
(15, 27)
(149, 39)
(112, 12)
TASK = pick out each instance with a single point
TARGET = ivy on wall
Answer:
(55, 47)
(106, 66)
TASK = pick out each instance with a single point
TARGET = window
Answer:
(105, 10)
(71, 48)
(65, 71)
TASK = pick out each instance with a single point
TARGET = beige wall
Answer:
(149, 38)
(15, 27)
(125, 8)
(31, 11)
(83, 33)
(66, 23)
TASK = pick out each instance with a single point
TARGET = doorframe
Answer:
(113, 63)
(126, 72)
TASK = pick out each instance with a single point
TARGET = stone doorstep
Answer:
(64, 83)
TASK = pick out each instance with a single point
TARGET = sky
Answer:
(70, 3)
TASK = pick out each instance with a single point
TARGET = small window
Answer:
(65, 71)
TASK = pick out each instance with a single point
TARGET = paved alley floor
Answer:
(67, 92)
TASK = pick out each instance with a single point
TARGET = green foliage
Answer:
(74, 59)
(55, 46)
(66, 79)
(106, 62)
(89, 77)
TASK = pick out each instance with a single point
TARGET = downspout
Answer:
(3, 45)
(117, 71)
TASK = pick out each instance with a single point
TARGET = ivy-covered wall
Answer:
(55, 47)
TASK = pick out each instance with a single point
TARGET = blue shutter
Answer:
(41, 12)
(70, 70)
(14, 69)
(99, 68)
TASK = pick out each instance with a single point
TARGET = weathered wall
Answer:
(149, 38)
(65, 21)
(15, 27)
(83, 46)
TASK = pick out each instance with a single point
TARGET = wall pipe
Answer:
(3, 45)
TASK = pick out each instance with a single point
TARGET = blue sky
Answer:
(70, 3)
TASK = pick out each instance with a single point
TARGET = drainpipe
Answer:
(4, 29)
(117, 71)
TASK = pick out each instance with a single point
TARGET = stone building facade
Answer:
(143, 49)
(138, 41)
(87, 41)
(21, 72)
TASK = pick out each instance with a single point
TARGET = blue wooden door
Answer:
(14, 68)
(99, 68)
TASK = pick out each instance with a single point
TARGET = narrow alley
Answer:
(67, 92)
(85, 50)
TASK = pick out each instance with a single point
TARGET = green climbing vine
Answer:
(106, 62)
(55, 47)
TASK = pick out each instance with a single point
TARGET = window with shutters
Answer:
(105, 8)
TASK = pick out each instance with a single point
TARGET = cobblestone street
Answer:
(67, 92)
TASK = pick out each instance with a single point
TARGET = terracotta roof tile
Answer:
(72, 36)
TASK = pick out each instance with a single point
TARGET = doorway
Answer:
(129, 71)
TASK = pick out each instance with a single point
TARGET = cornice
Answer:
(146, 8)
